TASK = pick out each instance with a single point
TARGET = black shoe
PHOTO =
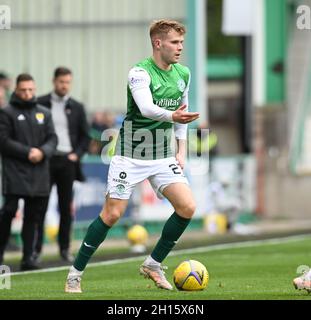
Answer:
(36, 258)
(29, 265)
(66, 256)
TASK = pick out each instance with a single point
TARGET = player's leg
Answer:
(180, 196)
(98, 230)
(7, 214)
(34, 208)
(119, 188)
(96, 234)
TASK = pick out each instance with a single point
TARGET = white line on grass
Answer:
(215, 247)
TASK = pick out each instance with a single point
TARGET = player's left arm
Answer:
(180, 130)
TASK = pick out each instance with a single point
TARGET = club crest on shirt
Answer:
(181, 85)
(40, 117)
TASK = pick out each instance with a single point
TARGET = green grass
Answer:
(262, 271)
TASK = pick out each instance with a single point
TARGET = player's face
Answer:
(62, 84)
(25, 90)
(171, 47)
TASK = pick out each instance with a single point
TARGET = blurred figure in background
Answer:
(27, 141)
(73, 140)
(102, 121)
(202, 141)
(3, 101)
(6, 83)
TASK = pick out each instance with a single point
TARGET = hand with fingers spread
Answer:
(182, 116)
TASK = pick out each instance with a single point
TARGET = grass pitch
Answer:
(256, 270)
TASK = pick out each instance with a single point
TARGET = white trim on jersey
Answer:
(139, 82)
(180, 129)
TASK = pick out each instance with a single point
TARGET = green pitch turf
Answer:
(256, 271)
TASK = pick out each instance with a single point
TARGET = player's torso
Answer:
(167, 88)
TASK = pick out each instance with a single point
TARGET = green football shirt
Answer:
(141, 137)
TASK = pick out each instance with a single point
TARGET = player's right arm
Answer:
(139, 82)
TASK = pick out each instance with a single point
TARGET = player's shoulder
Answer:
(144, 67)
(144, 64)
(182, 69)
(138, 73)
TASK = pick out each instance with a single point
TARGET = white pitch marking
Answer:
(215, 247)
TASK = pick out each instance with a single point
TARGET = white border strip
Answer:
(216, 247)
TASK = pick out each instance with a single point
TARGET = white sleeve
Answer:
(180, 129)
(139, 82)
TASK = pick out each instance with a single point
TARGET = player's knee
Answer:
(187, 210)
(111, 215)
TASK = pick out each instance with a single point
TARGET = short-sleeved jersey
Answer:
(141, 137)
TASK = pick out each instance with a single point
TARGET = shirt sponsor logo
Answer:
(168, 102)
(137, 81)
(122, 175)
(120, 181)
(21, 117)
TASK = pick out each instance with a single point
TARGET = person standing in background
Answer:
(73, 140)
(3, 101)
(5, 83)
(27, 141)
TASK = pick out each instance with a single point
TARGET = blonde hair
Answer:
(160, 28)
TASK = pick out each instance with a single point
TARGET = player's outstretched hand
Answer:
(182, 116)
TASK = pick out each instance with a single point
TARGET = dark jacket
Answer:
(25, 125)
(78, 128)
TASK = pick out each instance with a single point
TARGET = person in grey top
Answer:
(73, 140)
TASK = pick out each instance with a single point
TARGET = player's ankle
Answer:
(74, 271)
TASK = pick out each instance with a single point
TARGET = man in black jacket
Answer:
(72, 131)
(27, 141)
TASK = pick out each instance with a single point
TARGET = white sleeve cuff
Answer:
(180, 130)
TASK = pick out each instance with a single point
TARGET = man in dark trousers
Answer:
(27, 141)
(73, 139)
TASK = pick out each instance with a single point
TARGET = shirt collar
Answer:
(57, 98)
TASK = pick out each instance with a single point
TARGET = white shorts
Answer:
(125, 173)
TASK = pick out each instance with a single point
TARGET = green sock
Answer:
(96, 234)
(172, 230)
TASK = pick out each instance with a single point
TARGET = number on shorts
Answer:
(175, 168)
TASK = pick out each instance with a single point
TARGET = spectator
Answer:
(72, 131)
(3, 101)
(27, 140)
(202, 142)
(5, 83)
(102, 121)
